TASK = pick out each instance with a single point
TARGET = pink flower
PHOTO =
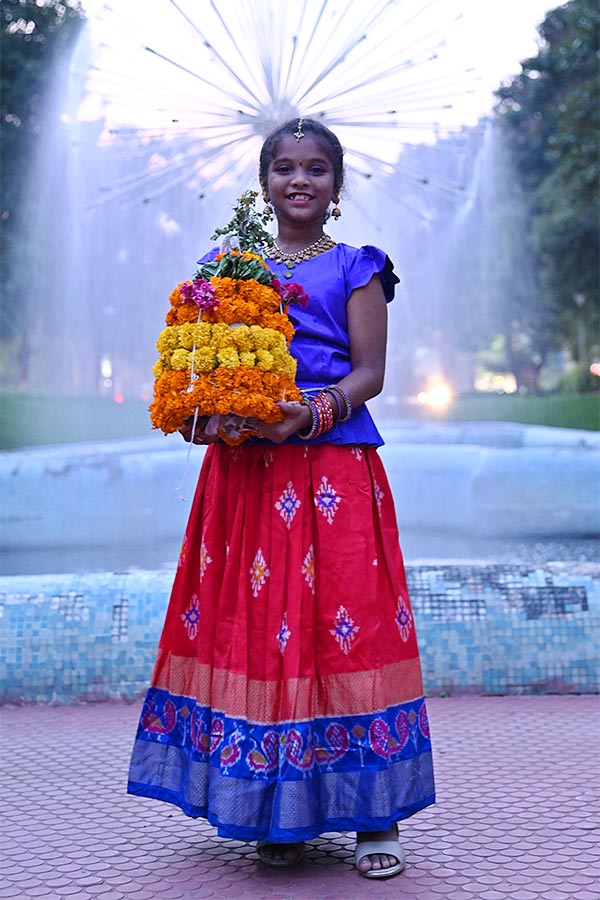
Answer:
(294, 293)
(200, 292)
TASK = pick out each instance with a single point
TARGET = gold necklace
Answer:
(274, 252)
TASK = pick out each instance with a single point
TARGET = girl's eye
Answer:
(282, 169)
(317, 170)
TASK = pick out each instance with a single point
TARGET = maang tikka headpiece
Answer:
(299, 134)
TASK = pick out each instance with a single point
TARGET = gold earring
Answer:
(336, 212)
(268, 211)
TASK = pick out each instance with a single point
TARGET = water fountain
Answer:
(161, 131)
(126, 209)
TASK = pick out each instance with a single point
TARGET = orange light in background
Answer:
(118, 398)
(437, 395)
(595, 369)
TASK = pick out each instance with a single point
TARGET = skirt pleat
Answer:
(286, 699)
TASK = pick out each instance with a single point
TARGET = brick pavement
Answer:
(518, 799)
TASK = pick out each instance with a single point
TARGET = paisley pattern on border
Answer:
(236, 746)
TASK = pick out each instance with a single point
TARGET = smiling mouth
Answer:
(299, 197)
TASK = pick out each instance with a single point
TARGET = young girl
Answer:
(286, 699)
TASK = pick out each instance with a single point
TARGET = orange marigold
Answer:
(243, 391)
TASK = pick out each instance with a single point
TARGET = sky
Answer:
(495, 36)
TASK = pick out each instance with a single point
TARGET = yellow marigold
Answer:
(181, 359)
(242, 337)
(202, 333)
(247, 358)
(221, 336)
(288, 367)
(281, 358)
(194, 333)
(167, 340)
(204, 359)
(260, 337)
(187, 335)
(264, 360)
(276, 341)
(228, 357)
(280, 322)
(158, 368)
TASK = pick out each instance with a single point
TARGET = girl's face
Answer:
(300, 181)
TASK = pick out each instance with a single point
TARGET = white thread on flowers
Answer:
(179, 489)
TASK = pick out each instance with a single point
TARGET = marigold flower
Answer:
(181, 359)
(204, 359)
(228, 357)
(238, 348)
(167, 340)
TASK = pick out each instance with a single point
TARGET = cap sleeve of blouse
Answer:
(208, 257)
(366, 262)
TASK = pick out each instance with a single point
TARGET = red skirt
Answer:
(286, 699)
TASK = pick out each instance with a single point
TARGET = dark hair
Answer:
(322, 135)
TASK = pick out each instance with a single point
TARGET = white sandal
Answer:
(369, 848)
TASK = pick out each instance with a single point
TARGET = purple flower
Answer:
(200, 292)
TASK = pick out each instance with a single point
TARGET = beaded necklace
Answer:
(274, 252)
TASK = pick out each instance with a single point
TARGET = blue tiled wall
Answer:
(482, 628)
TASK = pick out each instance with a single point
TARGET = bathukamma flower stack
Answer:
(225, 350)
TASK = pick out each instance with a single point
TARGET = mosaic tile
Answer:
(486, 628)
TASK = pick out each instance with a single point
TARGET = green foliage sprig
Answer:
(233, 265)
(243, 233)
(246, 225)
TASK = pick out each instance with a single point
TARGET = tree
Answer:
(35, 35)
(550, 116)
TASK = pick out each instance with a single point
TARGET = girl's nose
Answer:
(299, 176)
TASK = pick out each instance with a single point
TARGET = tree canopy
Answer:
(550, 113)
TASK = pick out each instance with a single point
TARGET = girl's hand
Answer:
(297, 418)
(199, 436)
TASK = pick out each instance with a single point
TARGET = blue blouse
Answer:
(321, 343)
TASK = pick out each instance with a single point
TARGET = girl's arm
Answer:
(367, 330)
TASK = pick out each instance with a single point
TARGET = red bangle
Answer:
(322, 416)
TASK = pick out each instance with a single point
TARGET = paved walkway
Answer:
(518, 798)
